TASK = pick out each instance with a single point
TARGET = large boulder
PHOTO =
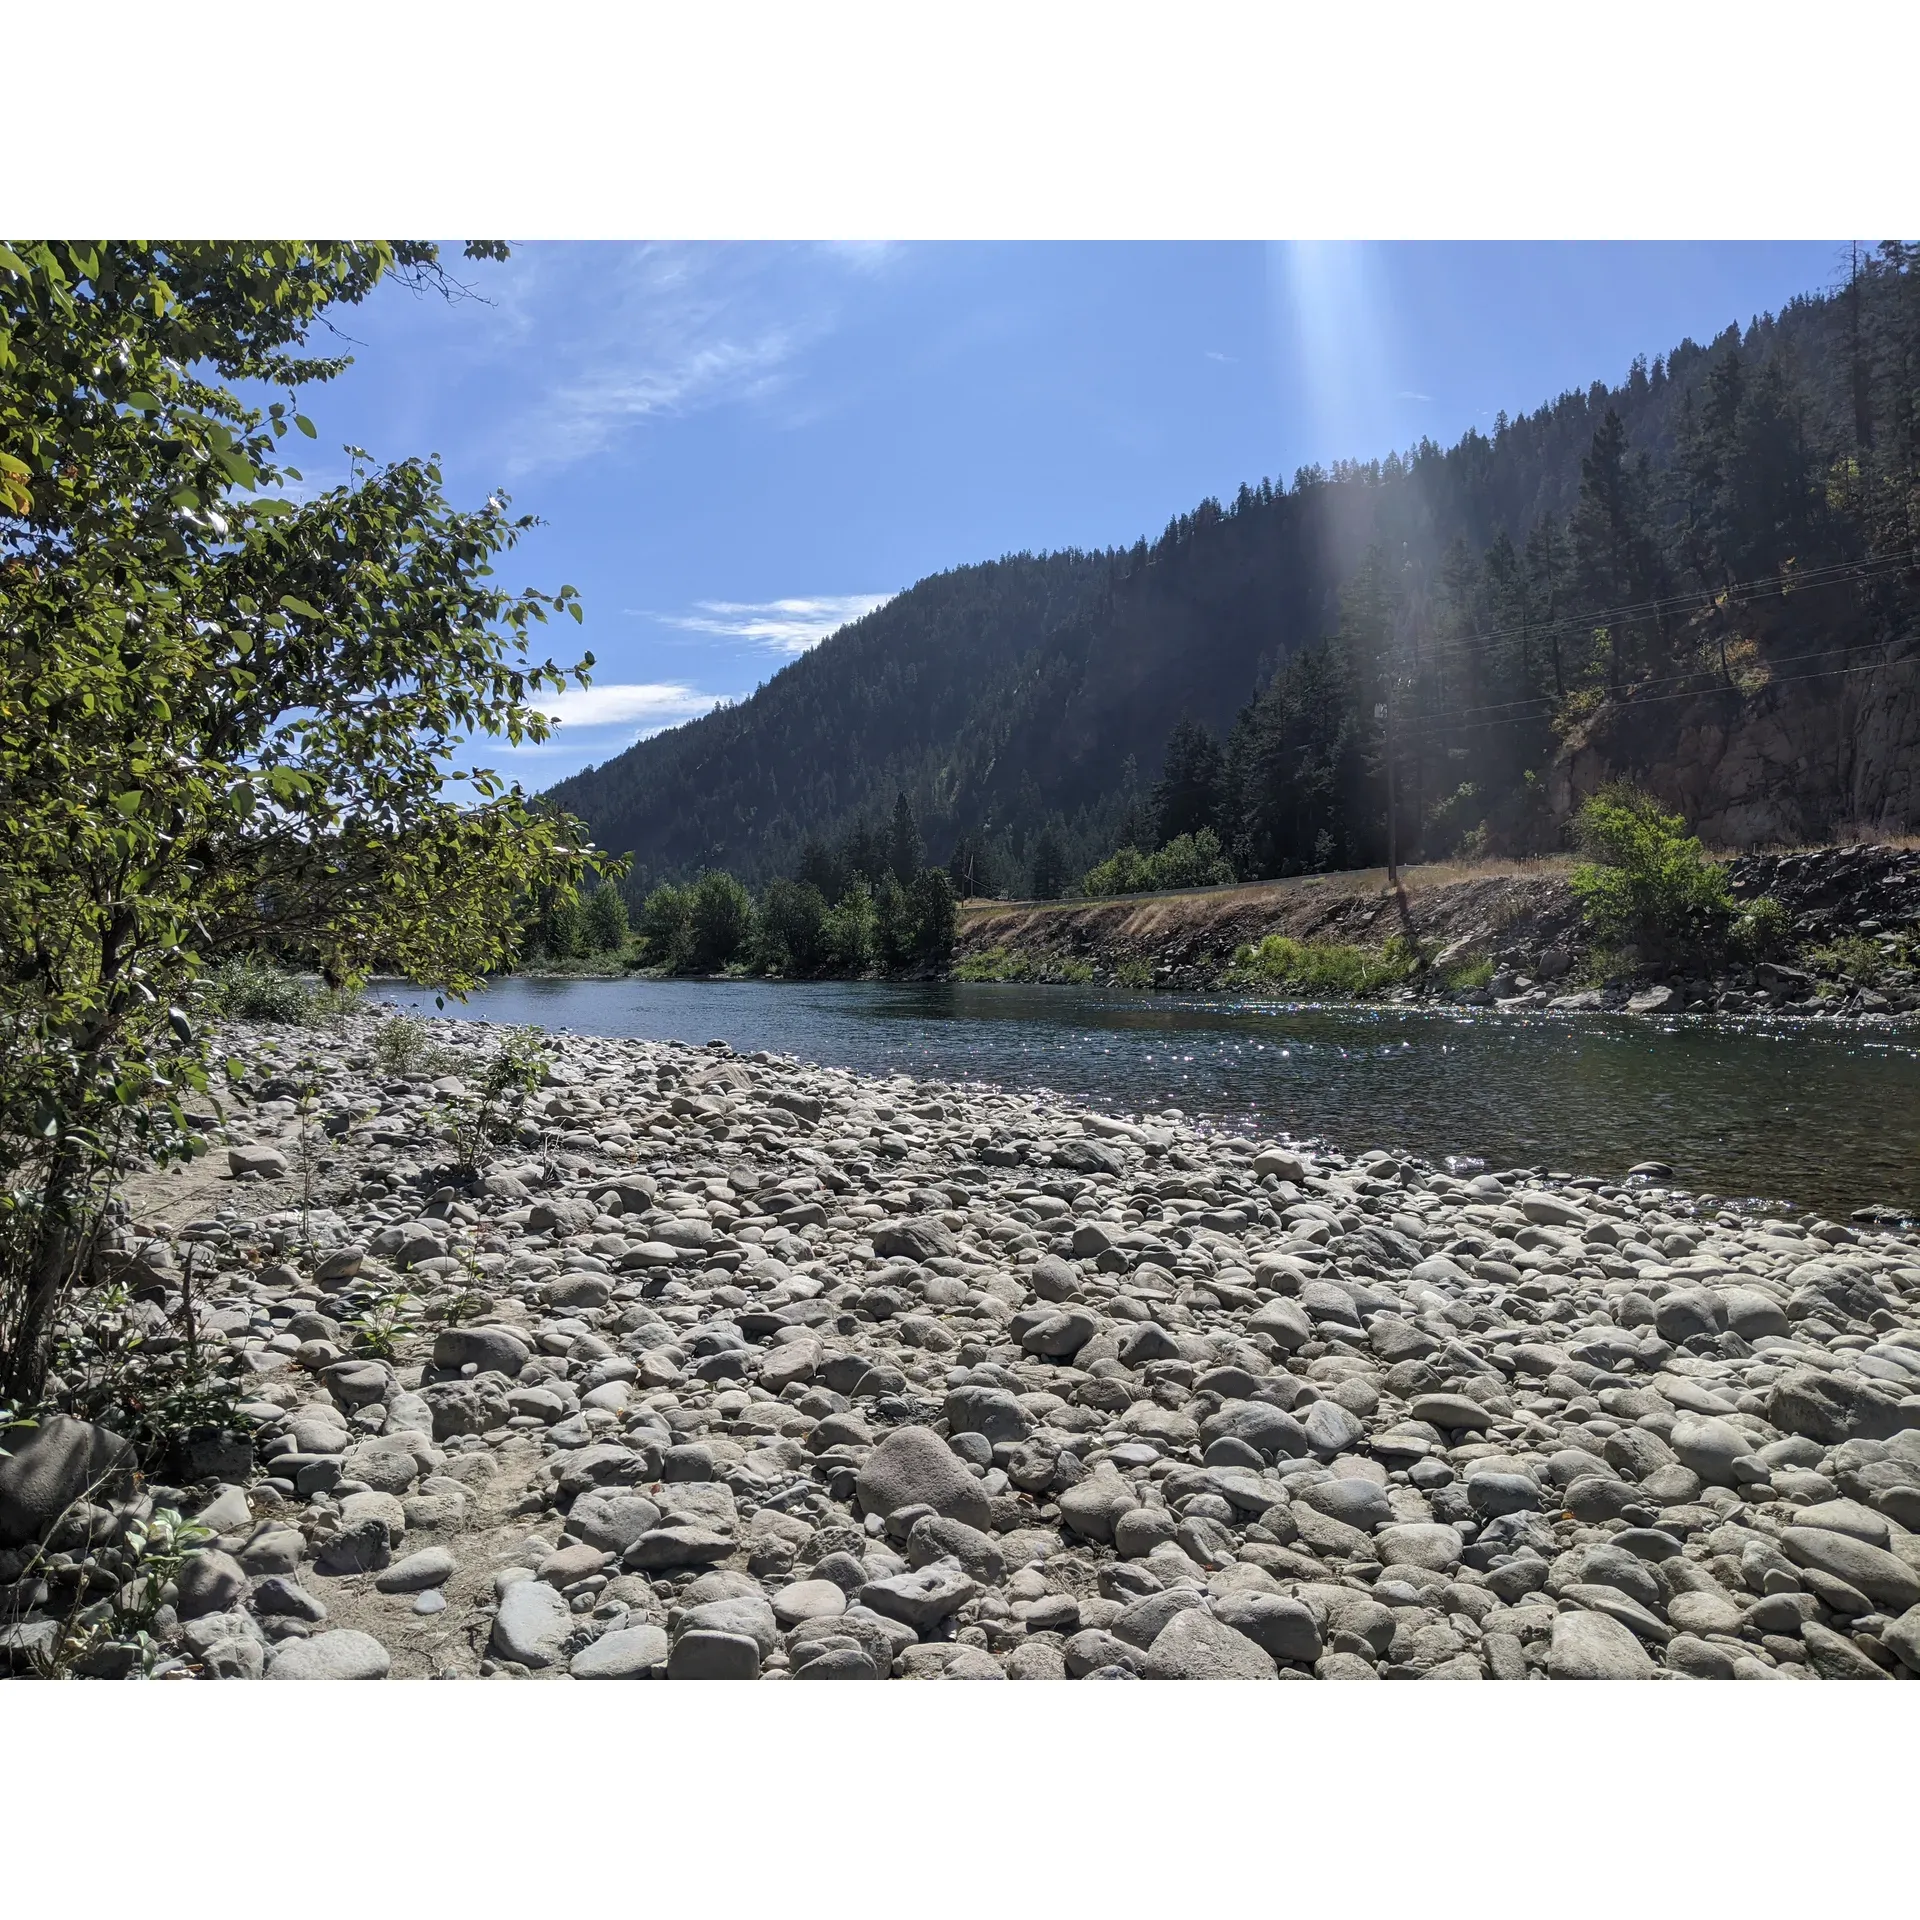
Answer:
(1880, 1575)
(1594, 1646)
(914, 1467)
(1269, 1430)
(921, 1238)
(991, 1411)
(54, 1466)
(1093, 1507)
(486, 1349)
(1828, 1408)
(1193, 1645)
(341, 1654)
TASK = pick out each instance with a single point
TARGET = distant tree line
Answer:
(868, 904)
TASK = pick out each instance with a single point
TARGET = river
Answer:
(1806, 1116)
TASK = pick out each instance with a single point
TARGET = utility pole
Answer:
(1383, 710)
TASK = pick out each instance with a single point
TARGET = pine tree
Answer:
(906, 851)
(1188, 794)
(1051, 873)
(1613, 544)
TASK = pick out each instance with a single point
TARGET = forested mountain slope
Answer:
(1540, 608)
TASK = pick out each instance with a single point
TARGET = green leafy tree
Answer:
(666, 927)
(1649, 880)
(228, 718)
(792, 929)
(605, 916)
(893, 924)
(935, 916)
(1189, 793)
(720, 922)
(1191, 860)
(850, 938)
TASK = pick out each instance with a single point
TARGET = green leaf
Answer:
(300, 607)
(305, 425)
(127, 805)
(181, 1025)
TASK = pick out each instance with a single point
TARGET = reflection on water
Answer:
(1817, 1117)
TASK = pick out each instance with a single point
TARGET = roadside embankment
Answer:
(1506, 934)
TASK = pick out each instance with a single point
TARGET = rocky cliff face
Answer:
(1799, 762)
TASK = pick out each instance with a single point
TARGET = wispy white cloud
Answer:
(1408, 394)
(649, 333)
(1225, 359)
(781, 626)
(657, 704)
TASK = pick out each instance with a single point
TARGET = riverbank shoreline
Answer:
(716, 1365)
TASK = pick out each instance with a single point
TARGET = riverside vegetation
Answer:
(541, 1356)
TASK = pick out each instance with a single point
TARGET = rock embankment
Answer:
(736, 1368)
(1512, 939)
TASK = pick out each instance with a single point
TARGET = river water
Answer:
(1807, 1116)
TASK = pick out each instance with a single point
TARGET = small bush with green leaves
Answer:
(1762, 930)
(1649, 881)
(1321, 967)
(1004, 966)
(1189, 860)
(406, 1048)
(255, 988)
(1853, 956)
(1470, 973)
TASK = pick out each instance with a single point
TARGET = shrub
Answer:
(1651, 881)
(719, 922)
(1191, 860)
(1005, 967)
(1763, 930)
(404, 1047)
(255, 988)
(1472, 973)
(1321, 967)
(1853, 956)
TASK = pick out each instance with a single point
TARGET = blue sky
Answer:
(737, 447)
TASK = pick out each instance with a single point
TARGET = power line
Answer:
(1858, 572)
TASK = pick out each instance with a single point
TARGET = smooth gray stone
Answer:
(1591, 1646)
(532, 1624)
(702, 1655)
(430, 1567)
(1195, 1646)
(341, 1654)
(628, 1653)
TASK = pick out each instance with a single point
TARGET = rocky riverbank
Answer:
(729, 1367)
